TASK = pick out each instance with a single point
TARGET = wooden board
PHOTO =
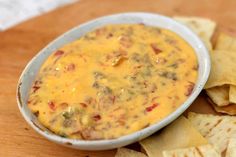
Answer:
(19, 44)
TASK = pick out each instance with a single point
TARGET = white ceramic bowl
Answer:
(29, 73)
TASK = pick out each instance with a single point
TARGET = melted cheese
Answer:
(113, 81)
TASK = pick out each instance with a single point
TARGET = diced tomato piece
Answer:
(97, 117)
(51, 105)
(150, 108)
(190, 88)
(155, 48)
(58, 53)
(83, 105)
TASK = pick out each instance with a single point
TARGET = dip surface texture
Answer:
(113, 81)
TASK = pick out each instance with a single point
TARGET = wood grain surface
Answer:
(19, 44)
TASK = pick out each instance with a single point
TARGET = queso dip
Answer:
(113, 81)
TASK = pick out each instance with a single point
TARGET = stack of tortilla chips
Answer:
(221, 85)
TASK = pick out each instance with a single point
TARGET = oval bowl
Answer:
(31, 70)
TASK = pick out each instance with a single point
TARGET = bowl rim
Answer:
(133, 137)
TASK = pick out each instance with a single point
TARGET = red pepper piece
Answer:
(51, 105)
(189, 88)
(83, 105)
(97, 117)
(58, 53)
(155, 48)
(150, 108)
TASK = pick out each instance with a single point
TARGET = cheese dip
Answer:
(113, 81)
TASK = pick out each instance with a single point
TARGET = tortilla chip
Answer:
(124, 152)
(231, 150)
(219, 95)
(203, 125)
(200, 151)
(229, 109)
(179, 134)
(216, 129)
(225, 42)
(232, 93)
(223, 69)
(201, 26)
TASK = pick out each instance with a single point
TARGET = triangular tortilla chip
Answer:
(232, 93)
(225, 42)
(223, 69)
(219, 95)
(124, 152)
(200, 151)
(201, 124)
(201, 26)
(179, 134)
(229, 109)
(216, 129)
(231, 149)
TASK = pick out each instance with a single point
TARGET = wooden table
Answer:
(19, 44)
